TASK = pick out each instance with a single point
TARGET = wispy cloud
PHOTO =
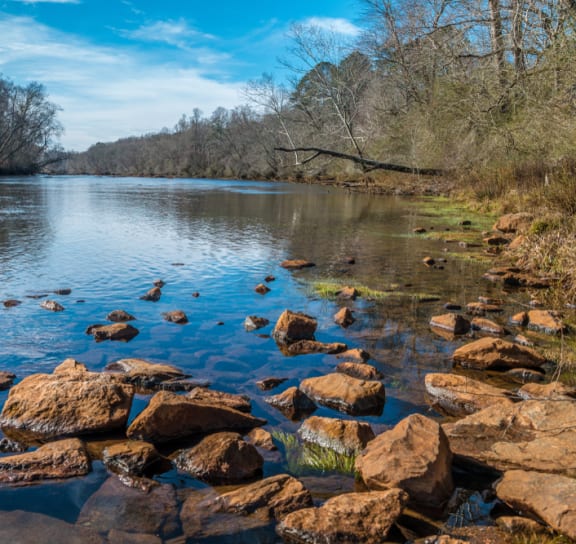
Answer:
(177, 33)
(334, 24)
(47, 1)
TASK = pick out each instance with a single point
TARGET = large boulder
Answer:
(350, 517)
(532, 435)
(342, 436)
(221, 458)
(514, 222)
(454, 395)
(342, 392)
(497, 354)
(67, 404)
(550, 497)
(251, 506)
(169, 416)
(294, 326)
(414, 456)
(61, 459)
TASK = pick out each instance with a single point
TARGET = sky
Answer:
(121, 68)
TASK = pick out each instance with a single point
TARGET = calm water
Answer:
(108, 239)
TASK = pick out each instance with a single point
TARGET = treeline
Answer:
(441, 85)
(28, 128)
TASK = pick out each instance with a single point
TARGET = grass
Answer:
(539, 538)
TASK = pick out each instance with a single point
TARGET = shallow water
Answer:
(108, 238)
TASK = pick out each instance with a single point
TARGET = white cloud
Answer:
(176, 33)
(48, 1)
(107, 93)
(334, 24)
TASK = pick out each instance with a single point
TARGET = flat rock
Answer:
(362, 371)
(418, 460)
(514, 222)
(343, 436)
(144, 374)
(531, 435)
(293, 403)
(497, 354)
(454, 323)
(122, 537)
(269, 383)
(347, 394)
(525, 375)
(253, 323)
(481, 308)
(350, 517)
(70, 365)
(169, 416)
(152, 295)
(221, 458)
(67, 404)
(356, 355)
(251, 506)
(11, 303)
(455, 395)
(130, 457)
(122, 332)
(488, 326)
(176, 316)
(120, 316)
(550, 497)
(220, 398)
(308, 347)
(116, 506)
(546, 321)
(52, 306)
(294, 326)
(549, 391)
(344, 317)
(296, 264)
(56, 460)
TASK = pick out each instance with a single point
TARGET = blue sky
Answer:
(129, 67)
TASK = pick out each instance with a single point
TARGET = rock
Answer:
(350, 517)
(52, 305)
(253, 323)
(195, 294)
(296, 264)
(70, 365)
(122, 537)
(496, 354)
(22, 527)
(6, 380)
(118, 331)
(159, 283)
(11, 446)
(143, 374)
(261, 439)
(481, 308)
(344, 317)
(525, 375)
(220, 398)
(176, 316)
(496, 240)
(514, 222)
(419, 230)
(356, 355)
(269, 278)
(454, 323)
(307, 347)
(550, 391)
(362, 371)
(63, 292)
(517, 524)
(120, 316)
(417, 459)
(292, 326)
(11, 303)
(56, 460)
(250, 506)
(130, 457)
(517, 242)
(293, 403)
(520, 319)
(546, 321)
(348, 293)
(67, 404)
(523, 341)
(550, 497)
(269, 383)
(513, 277)
(454, 395)
(152, 295)
(342, 436)
(169, 417)
(116, 506)
(452, 306)
(429, 261)
(531, 435)
(486, 325)
(347, 394)
(262, 289)
(221, 458)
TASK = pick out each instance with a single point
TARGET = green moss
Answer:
(329, 289)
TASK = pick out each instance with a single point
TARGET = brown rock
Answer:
(176, 316)
(495, 353)
(344, 317)
(418, 460)
(545, 321)
(348, 293)
(550, 497)
(307, 347)
(350, 517)
(481, 308)
(52, 305)
(251, 506)
(496, 240)
(6, 380)
(347, 394)
(122, 537)
(362, 371)
(169, 416)
(220, 398)
(120, 316)
(116, 506)
(269, 383)
(517, 524)
(67, 404)
(159, 283)
(292, 327)
(152, 295)
(514, 222)
(56, 460)
(356, 355)
(130, 457)
(262, 289)
(119, 331)
(517, 242)
(429, 261)
(221, 458)
(11, 303)
(296, 264)
(550, 391)
(454, 323)
(520, 319)
(342, 436)
(293, 403)
(269, 278)
(144, 374)
(487, 326)
(525, 375)
(261, 439)
(419, 230)
(454, 395)
(70, 365)
(253, 323)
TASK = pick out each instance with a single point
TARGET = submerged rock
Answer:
(269, 383)
(293, 403)
(52, 306)
(344, 317)
(307, 347)
(296, 264)
(120, 316)
(152, 295)
(175, 316)
(253, 323)
(119, 331)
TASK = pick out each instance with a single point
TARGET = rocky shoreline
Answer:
(522, 438)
